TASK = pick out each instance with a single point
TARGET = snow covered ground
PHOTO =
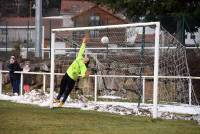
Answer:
(176, 111)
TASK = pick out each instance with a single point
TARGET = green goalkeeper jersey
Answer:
(78, 66)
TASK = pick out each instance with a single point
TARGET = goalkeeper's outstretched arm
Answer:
(82, 48)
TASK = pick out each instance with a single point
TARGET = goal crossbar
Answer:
(105, 27)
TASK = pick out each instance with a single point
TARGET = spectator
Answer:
(14, 77)
(27, 78)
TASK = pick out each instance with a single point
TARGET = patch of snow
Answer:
(109, 97)
(37, 97)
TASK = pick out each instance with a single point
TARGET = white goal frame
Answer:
(156, 55)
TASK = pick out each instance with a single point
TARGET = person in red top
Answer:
(27, 78)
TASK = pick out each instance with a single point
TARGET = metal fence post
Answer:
(143, 90)
(1, 82)
(21, 84)
(95, 88)
(49, 39)
(43, 42)
(6, 37)
(27, 46)
(44, 82)
(1, 78)
(190, 91)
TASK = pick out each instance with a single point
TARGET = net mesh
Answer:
(173, 62)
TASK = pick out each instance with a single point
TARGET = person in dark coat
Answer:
(14, 77)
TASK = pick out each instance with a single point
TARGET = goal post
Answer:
(52, 69)
(119, 40)
(156, 70)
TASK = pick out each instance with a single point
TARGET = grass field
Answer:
(29, 119)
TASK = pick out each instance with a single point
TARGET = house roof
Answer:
(78, 7)
(75, 6)
(104, 9)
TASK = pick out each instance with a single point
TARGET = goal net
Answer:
(138, 62)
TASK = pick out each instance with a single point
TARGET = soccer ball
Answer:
(104, 40)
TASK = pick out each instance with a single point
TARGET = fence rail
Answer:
(144, 78)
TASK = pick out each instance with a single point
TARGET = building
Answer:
(82, 11)
(96, 16)
(191, 39)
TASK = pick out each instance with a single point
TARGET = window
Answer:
(75, 8)
(192, 36)
(186, 36)
(94, 33)
(94, 21)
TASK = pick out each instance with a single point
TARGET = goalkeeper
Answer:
(78, 67)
